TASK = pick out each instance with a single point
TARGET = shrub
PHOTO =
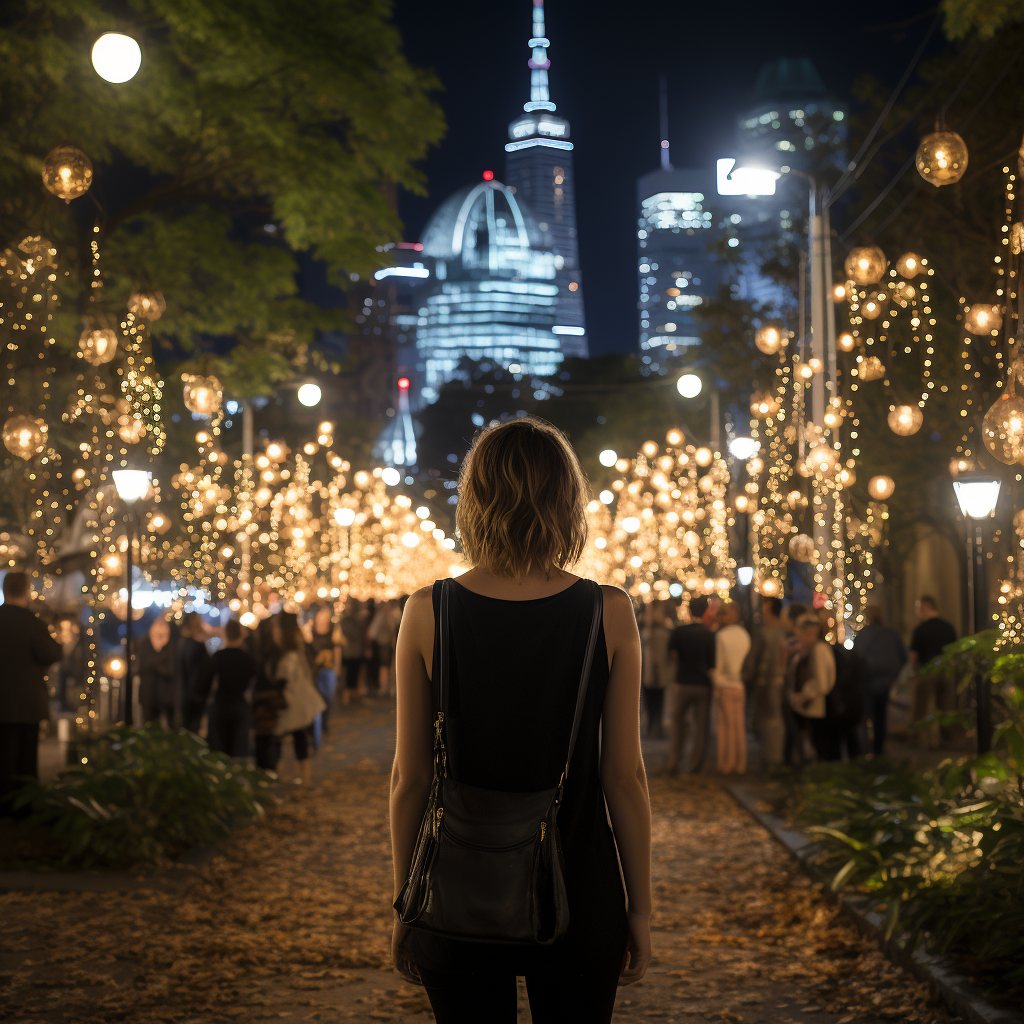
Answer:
(141, 796)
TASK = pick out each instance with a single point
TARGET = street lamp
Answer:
(116, 57)
(977, 495)
(131, 484)
(689, 385)
(309, 394)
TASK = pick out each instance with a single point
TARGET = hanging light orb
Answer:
(703, 457)
(846, 476)
(98, 346)
(958, 464)
(903, 293)
(131, 429)
(866, 264)
(801, 547)
(769, 339)
(36, 251)
(764, 405)
(203, 395)
(983, 319)
(909, 265)
(25, 436)
(839, 293)
(873, 307)
(870, 368)
(158, 523)
(67, 173)
(1002, 429)
(941, 158)
(650, 449)
(815, 365)
(796, 499)
(803, 371)
(905, 419)
(822, 459)
(150, 305)
(674, 437)
(833, 416)
(770, 587)
(881, 487)
(116, 57)
(846, 342)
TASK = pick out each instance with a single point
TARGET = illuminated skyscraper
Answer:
(539, 167)
(493, 294)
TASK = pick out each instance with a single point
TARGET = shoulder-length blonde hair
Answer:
(522, 499)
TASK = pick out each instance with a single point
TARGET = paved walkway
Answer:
(291, 921)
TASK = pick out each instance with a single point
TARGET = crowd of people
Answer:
(804, 698)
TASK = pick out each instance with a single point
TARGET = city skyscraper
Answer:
(539, 166)
(493, 293)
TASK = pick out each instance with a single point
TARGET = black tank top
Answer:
(515, 670)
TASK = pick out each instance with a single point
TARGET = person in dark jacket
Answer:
(192, 667)
(28, 651)
(234, 672)
(155, 664)
(883, 650)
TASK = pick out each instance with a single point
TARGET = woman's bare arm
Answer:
(413, 767)
(622, 770)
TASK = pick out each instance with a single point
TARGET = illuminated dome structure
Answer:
(494, 294)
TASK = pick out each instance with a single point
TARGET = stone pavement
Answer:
(291, 921)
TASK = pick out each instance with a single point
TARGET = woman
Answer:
(155, 666)
(654, 638)
(353, 638)
(324, 653)
(302, 701)
(813, 676)
(382, 634)
(518, 627)
(732, 643)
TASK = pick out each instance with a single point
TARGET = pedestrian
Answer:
(935, 693)
(732, 643)
(655, 634)
(154, 662)
(353, 632)
(796, 750)
(192, 670)
(324, 652)
(302, 701)
(28, 652)
(691, 651)
(382, 634)
(765, 676)
(813, 676)
(267, 699)
(883, 650)
(233, 673)
(518, 627)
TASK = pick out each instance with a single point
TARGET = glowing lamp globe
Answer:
(958, 465)
(689, 385)
(977, 494)
(1002, 429)
(983, 319)
(673, 437)
(67, 173)
(822, 459)
(847, 477)
(344, 516)
(98, 346)
(608, 458)
(769, 339)
(870, 368)
(390, 476)
(881, 488)
(905, 419)
(703, 457)
(309, 394)
(149, 305)
(743, 448)
(35, 252)
(846, 342)
(865, 265)
(131, 429)
(770, 587)
(941, 158)
(158, 523)
(631, 524)
(871, 308)
(801, 547)
(25, 436)
(909, 265)
(764, 405)
(116, 57)
(203, 395)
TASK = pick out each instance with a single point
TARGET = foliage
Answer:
(985, 17)
(943, 850)
(142, 796)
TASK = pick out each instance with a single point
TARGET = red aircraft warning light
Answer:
(488, 175)
(403, 383)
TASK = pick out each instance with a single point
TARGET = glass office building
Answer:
(493, 294)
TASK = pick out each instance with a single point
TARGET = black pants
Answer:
(268, 752)
(228, 729)
(654, 704)
(878, 715)
(827, 738)
(19, 757)
(557, 996)
(352, 667)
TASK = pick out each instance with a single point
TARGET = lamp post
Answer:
(131, 484)
(977, 494)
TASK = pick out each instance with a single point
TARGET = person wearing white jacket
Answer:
(732, 642)
(813, 676)
(304, 701)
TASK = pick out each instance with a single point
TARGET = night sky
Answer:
(605, 63)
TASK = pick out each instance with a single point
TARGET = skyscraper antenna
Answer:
(540, 98)
(666, 163)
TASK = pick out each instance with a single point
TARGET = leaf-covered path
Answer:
(291, 921)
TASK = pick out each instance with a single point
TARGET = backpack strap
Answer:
(588, 658)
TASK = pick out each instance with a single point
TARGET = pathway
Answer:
(291, 921)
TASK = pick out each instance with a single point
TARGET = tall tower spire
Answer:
(540, 98)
